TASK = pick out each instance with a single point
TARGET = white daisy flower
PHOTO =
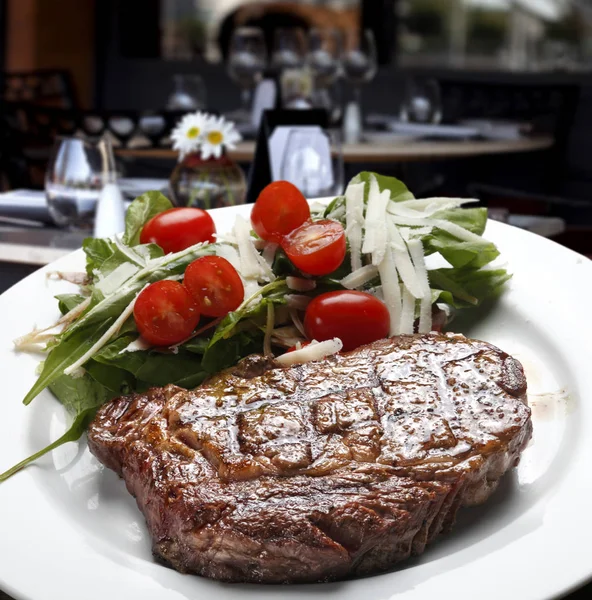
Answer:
(218, 134)
(188, 134)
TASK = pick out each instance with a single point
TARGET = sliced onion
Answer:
(299, 284)
(297, 301)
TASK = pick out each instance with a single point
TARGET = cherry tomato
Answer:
(178, 228)
(316, 248)
(280, 208)
(165, 313)
(356, 318)
(215, 285)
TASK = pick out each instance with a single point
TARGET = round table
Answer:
(365, 152)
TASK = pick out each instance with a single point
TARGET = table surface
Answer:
(409, 151)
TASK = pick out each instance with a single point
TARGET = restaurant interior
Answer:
(486, 99)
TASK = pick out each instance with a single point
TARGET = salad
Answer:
(172, 301)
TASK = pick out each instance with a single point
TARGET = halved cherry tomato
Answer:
(280, 208)
(215, 285)
(316, 248)
(357, 318)
(165, 313)
(178, 228)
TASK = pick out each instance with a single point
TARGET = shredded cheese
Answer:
(425, 308)
(314, 351)
(359, 277)
(253, 266)
(354, 221)
(107, 285)
(407, 312)
(375, 236)
(403, 261)
(391, 291)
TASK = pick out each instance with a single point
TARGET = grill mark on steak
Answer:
(318, 471)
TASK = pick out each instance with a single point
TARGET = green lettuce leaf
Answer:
(81, 397)
(141, 210)
(466, 287)
(66, 302)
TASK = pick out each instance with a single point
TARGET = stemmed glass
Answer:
(76, 173)
(313, 162)
(289, 49)
(324, 48)
(247, 61)
(189, 93)
(359, 61)
(422, 102)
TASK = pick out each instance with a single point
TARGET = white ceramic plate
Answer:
(70, 530)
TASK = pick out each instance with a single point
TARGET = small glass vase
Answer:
(211, 183)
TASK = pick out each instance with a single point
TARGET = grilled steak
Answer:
(315, 472)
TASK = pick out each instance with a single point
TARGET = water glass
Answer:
(323, 59)
(289, 49)
(77, 171)
(359, 60)
(313, 162)
(422, 102)
(247, 60)
(189, 93)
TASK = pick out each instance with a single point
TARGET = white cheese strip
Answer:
(403, 261)
(314, 351)
(391, 290)
(117, 278)
(113, 330)
(269, 253)
(456, 230)
(359, 277)
(375, 234)
(428, 206)
(354, 221)
(425, 310)
(407, 312)
(252, 264)
(230, 253)
(137, 345)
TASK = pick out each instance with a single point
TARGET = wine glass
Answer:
(289, 48)
(313, 162)
(359, 61)
(247, 60)
(77, 171)
(189, 93)
(422, 102)
(324, 47)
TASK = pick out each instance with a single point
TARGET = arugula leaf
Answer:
(228, 351)
(66, 302)
(81, 397)
(466, 287)
(141, 210)
(397, 189)
(97, 251)
(116, 380)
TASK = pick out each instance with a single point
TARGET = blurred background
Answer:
(487, 98)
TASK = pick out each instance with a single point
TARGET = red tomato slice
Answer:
(215, 285)
(316, 248)
(165, 313)
(280, 208)
(357, 318)
(178, 228)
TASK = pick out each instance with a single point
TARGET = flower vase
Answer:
(210, 183)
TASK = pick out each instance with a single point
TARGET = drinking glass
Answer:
(313, 162)
(247, 60)
(324, 47)
(189, 93)
(359, 61)
(289, 48)
(422, 102)
(77, 171)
